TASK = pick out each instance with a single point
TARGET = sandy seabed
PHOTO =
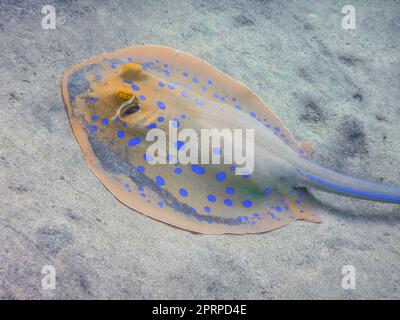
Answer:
(336, 88)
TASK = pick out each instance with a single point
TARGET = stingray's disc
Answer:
(183, 196)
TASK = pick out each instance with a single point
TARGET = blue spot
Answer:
(253, 114)
(299, 202)
(215, 95)
(167, 73)
(160, 204)
(142, 97)
(175, 123)
(124, 124)
(151, 126)
(198, 169)
(207, 209)
(245, 218)
(171, 86)
(220, 176)
(272, 216)
(278, 209)
(230, 190)
(116, 120)
(216, 150)
(161, 105)
(121, 134)
(234, 99)
(277, 129)
(93, 128)
(239, 219)
(185, 94)
(267, 191)
(178, 170)
(104, 121)
(134, 141)
(183, 192)
(160, 181)
(199, 101)
(211, 198)
(161, 84)
(209, 82)
(135, 87)
(183, 116)
(195, 80)
(247, 203)
(228, 202)
(232, 168)
(185, 74)
(160, 119)
(204, 88)
(140, 168)
(238, 107)
(179, 145)
(95, 118)
(255, 215)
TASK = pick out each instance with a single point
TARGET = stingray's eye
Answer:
(124, 93)
(131, 71)
(129, 108)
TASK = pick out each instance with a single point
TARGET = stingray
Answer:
(114, 100)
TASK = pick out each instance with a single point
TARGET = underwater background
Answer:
(336, 88)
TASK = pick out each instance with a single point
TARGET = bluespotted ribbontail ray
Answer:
(114, 100)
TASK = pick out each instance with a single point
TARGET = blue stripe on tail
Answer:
(356, 192)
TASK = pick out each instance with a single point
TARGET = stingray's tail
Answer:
(314, 175)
